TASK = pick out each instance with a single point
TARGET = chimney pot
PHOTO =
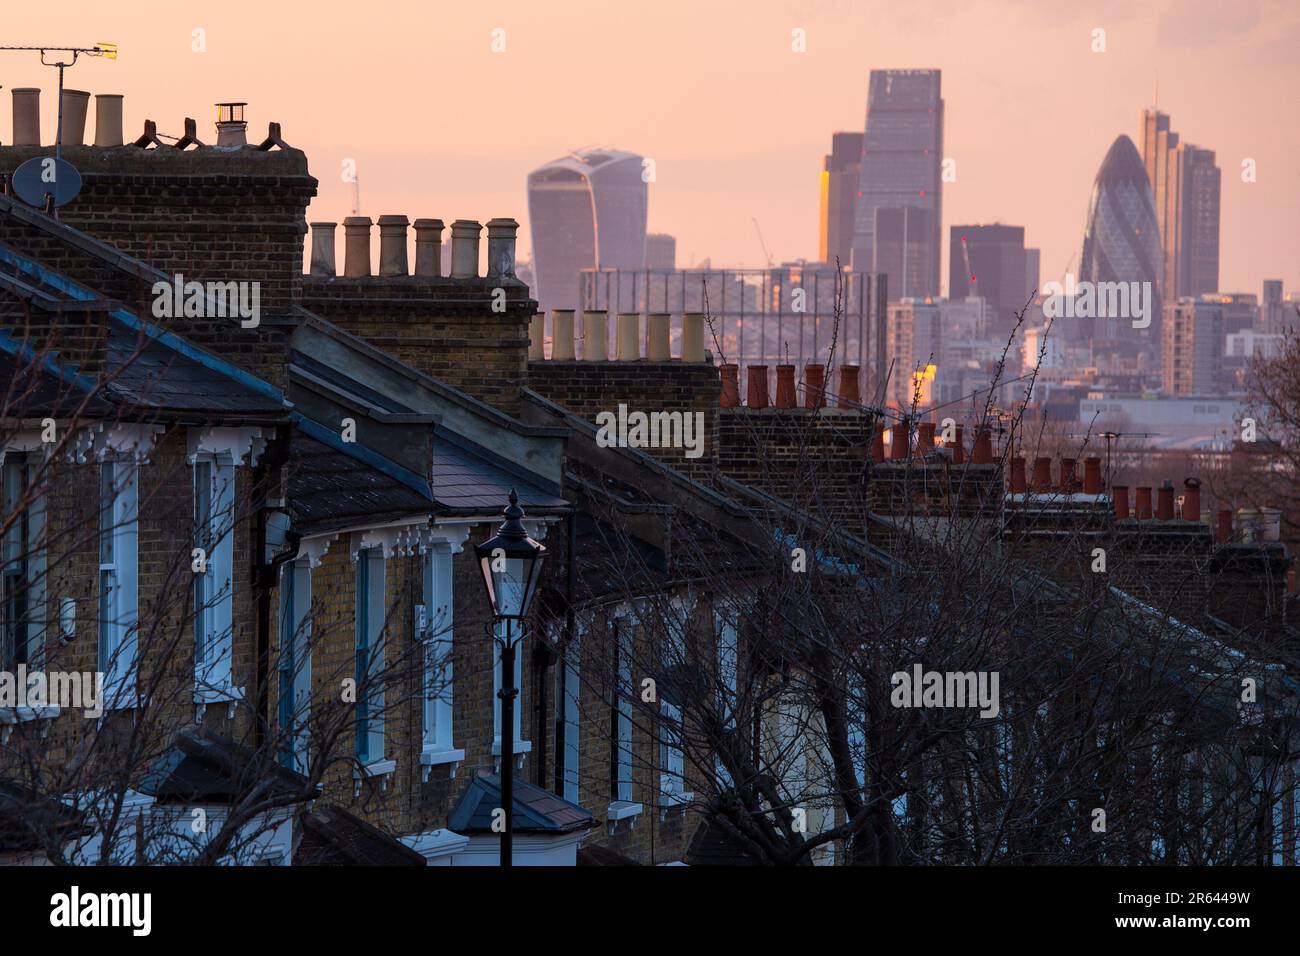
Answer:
(958, 446)
(1192, 499)
(595, 335)
(464, 253)
(730, 386)
(850, 390)
(27, 116)
(536, 331)
(561, 328)
(1120, 495)
(1067, 476)
(1042, 475)
(392, 246)
(924, 439)
(428, 249)
(1092, 476)
(356, 247)
(756, 383)
(108, 119)
(501, 248)
(232, 129)
(1223, 534)
(814, 385)
(785, 392)
(72, 129)
(692, 337)
(982, 454)
(629, 336)
(656, 328)
(1142, 506)
(1019, 485)
(322, 249)
(1165, 501)
(900, 440)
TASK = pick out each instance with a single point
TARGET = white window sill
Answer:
(119, 697)
(383, 769)
(674, 800)
(432, 757)
(622, 810)
(12, 716)
(522, 749)
(206, 694)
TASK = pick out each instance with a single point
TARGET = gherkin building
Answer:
(1121, 242)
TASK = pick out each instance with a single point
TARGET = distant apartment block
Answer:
(898, 222)
(1033, 272)
(1185, 184)
(660, 251)
(1193, 347)
(989, 261)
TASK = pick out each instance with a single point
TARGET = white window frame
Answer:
(623, 645)
(119, 605)
(214, 590)
(436, 632)
(25, 544)
(571, 712)
(295, 645)
(374, 608)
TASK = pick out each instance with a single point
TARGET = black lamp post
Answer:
(512, 565)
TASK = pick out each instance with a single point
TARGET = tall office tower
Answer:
(1193, 346)
(1033, 272)
(902, 155)
(1271, 318)
(660, 251)
(587, 210)
(904, 243)
(841, 172)
(1121, 243)
(989, 261)
(1185, 185)
(1198, 250)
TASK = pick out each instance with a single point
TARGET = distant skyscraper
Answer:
(587, 210)
(989, 261)
(841, 173)
(1271, 320)
(660, 251)
(1193, 348)
(1185, 186)
(1121, 242)
(1033, 272)
(901, 159)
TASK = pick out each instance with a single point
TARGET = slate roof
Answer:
(535, 810)
(714, 845)
(334, 484)
(210, 769)
(333, 837)
(26, 814)
(469, 479)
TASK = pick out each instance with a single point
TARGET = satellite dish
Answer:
(45, 174)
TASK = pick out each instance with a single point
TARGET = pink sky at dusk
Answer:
(736, 122)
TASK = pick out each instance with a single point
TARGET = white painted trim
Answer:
(433, 757)
(436, 846)
(243, 444)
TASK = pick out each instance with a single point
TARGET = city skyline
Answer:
(1027, 139)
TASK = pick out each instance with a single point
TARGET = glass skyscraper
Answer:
(902, 156)
(587, 211)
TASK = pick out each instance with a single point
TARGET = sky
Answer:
(441, 124)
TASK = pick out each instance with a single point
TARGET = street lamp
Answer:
(512, 565)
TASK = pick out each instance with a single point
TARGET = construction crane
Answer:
(768, 255)
(356, 195)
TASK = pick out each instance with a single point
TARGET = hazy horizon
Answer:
(735, 121)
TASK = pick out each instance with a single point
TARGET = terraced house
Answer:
(250, 538)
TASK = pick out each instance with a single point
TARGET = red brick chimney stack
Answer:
(899, 440)
(1223, 533)
(958, 447)
(730, 386)
(1092, 476)
(814, 385)
(1142, 509)
(785, 392)
(1018, 484)
(982, 454)
(1165, 501)
(1192, 499)
(1120, 494)
(1042, 482)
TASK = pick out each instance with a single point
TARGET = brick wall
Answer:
(589, 388)
(446, 328)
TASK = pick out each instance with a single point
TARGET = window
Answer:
(672, 763)
(370, 655)
(620, 751)
(520, 746)
(728, 652)
(22, 564)
(567, 701)
(214, 496)
(118, 497)
(295, 663)
(435, 633)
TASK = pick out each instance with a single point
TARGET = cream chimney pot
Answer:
(693, 337)
(392, 246)
(356, 247)
(562, 335)
(72, 129)
(27, 116)
(108, 119)
(464, 248)
(595, 335)
(657, 337)
(322, 249)
(428, 247)
(629, 336)
(501, 247)
(537, 337)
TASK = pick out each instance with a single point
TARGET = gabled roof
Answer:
(535, 810)
(469, 479)
(204, 769)
(333, 837)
